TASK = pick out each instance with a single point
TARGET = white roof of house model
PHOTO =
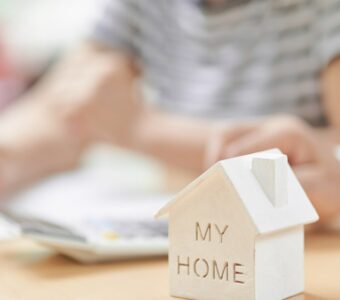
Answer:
(266, 217)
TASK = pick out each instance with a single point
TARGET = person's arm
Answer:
(85, 97)
(176, 140)
(90, 96)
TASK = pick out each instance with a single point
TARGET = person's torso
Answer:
(248, 58)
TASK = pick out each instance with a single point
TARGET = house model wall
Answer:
(237, 231)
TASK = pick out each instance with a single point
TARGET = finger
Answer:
(256, 141)
(308, 175)
(220, 137)
(322, 187)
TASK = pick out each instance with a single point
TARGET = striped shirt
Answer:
(237, 59)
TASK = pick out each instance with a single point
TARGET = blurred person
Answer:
(173, 79)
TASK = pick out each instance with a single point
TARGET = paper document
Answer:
(90, 219)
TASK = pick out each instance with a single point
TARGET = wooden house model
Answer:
(237, 232)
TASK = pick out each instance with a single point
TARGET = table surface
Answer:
(29, 271)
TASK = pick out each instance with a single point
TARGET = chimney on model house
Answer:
(270, 170)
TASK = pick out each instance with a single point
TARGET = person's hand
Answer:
(93, 91)
(310, 152)
(291, 135)
(321, 181)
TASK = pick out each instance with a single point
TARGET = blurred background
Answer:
(33, 34)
